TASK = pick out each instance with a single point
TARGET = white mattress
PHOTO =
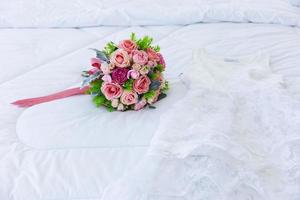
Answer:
(37, 62)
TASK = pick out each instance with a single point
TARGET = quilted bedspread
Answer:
(58, 165)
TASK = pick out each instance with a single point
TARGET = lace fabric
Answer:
(237, 138)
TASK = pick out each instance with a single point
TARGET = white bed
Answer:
(50, 57)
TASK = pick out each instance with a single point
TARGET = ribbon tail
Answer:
(59, 95)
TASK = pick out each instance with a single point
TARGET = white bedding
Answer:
(41, 61)
(82, 13)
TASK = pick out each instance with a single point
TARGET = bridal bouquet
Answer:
(127, 76)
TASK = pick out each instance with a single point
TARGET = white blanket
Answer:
(82, 13)
(37, 62)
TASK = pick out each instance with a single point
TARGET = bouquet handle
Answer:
(59, 95)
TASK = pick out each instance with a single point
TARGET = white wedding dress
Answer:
(238, 138)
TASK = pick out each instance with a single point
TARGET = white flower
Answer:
(120, 107)
(144, 70)
(115, 103)
(104, 68)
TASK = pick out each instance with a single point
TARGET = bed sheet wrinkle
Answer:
(35, 48)
(67, 48)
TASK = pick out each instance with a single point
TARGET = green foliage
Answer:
(95, 86)
(107, 104)
(85, 74)
(150, 94)
(110, 109)
(156, 48)
(110, 48)
(151, 106)
(128, 84)
(153, 76)
(99, 100)
(101, 55)
(133, 37)
(144, 42)
(159, 68)
(166, 87)
(155, 85)
(161, 96)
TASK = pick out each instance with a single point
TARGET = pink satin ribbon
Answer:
(55, 96)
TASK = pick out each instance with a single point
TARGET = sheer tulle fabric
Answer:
(237, 139)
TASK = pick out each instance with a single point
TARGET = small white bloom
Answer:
(136, 67)
(144, 70)
(115, 103)
(120, 107)
(104, 68)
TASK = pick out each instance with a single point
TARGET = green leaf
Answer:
(159, 68)
(110, 108)
(101, 55)
(85, 74)
(99, 100)
(155, 85)
(144, 43)
(149, 94)
(151, 107)
(156, 48)
(133, 37)
(107, 104)
(166, 86)
(153, 76)
(95, 86)
(128, 84)
(161, 96)
(110, 48)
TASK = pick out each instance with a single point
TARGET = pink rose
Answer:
(139, 57)
(120, 58)
(95, 62)
(128, 45)
(151, 63)
(111, 90)
(133, 74)
(161, 60)
(119, 75)
(152, 55)
(129, 98)
(106, 78)
(141, 104)
(141, 85)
